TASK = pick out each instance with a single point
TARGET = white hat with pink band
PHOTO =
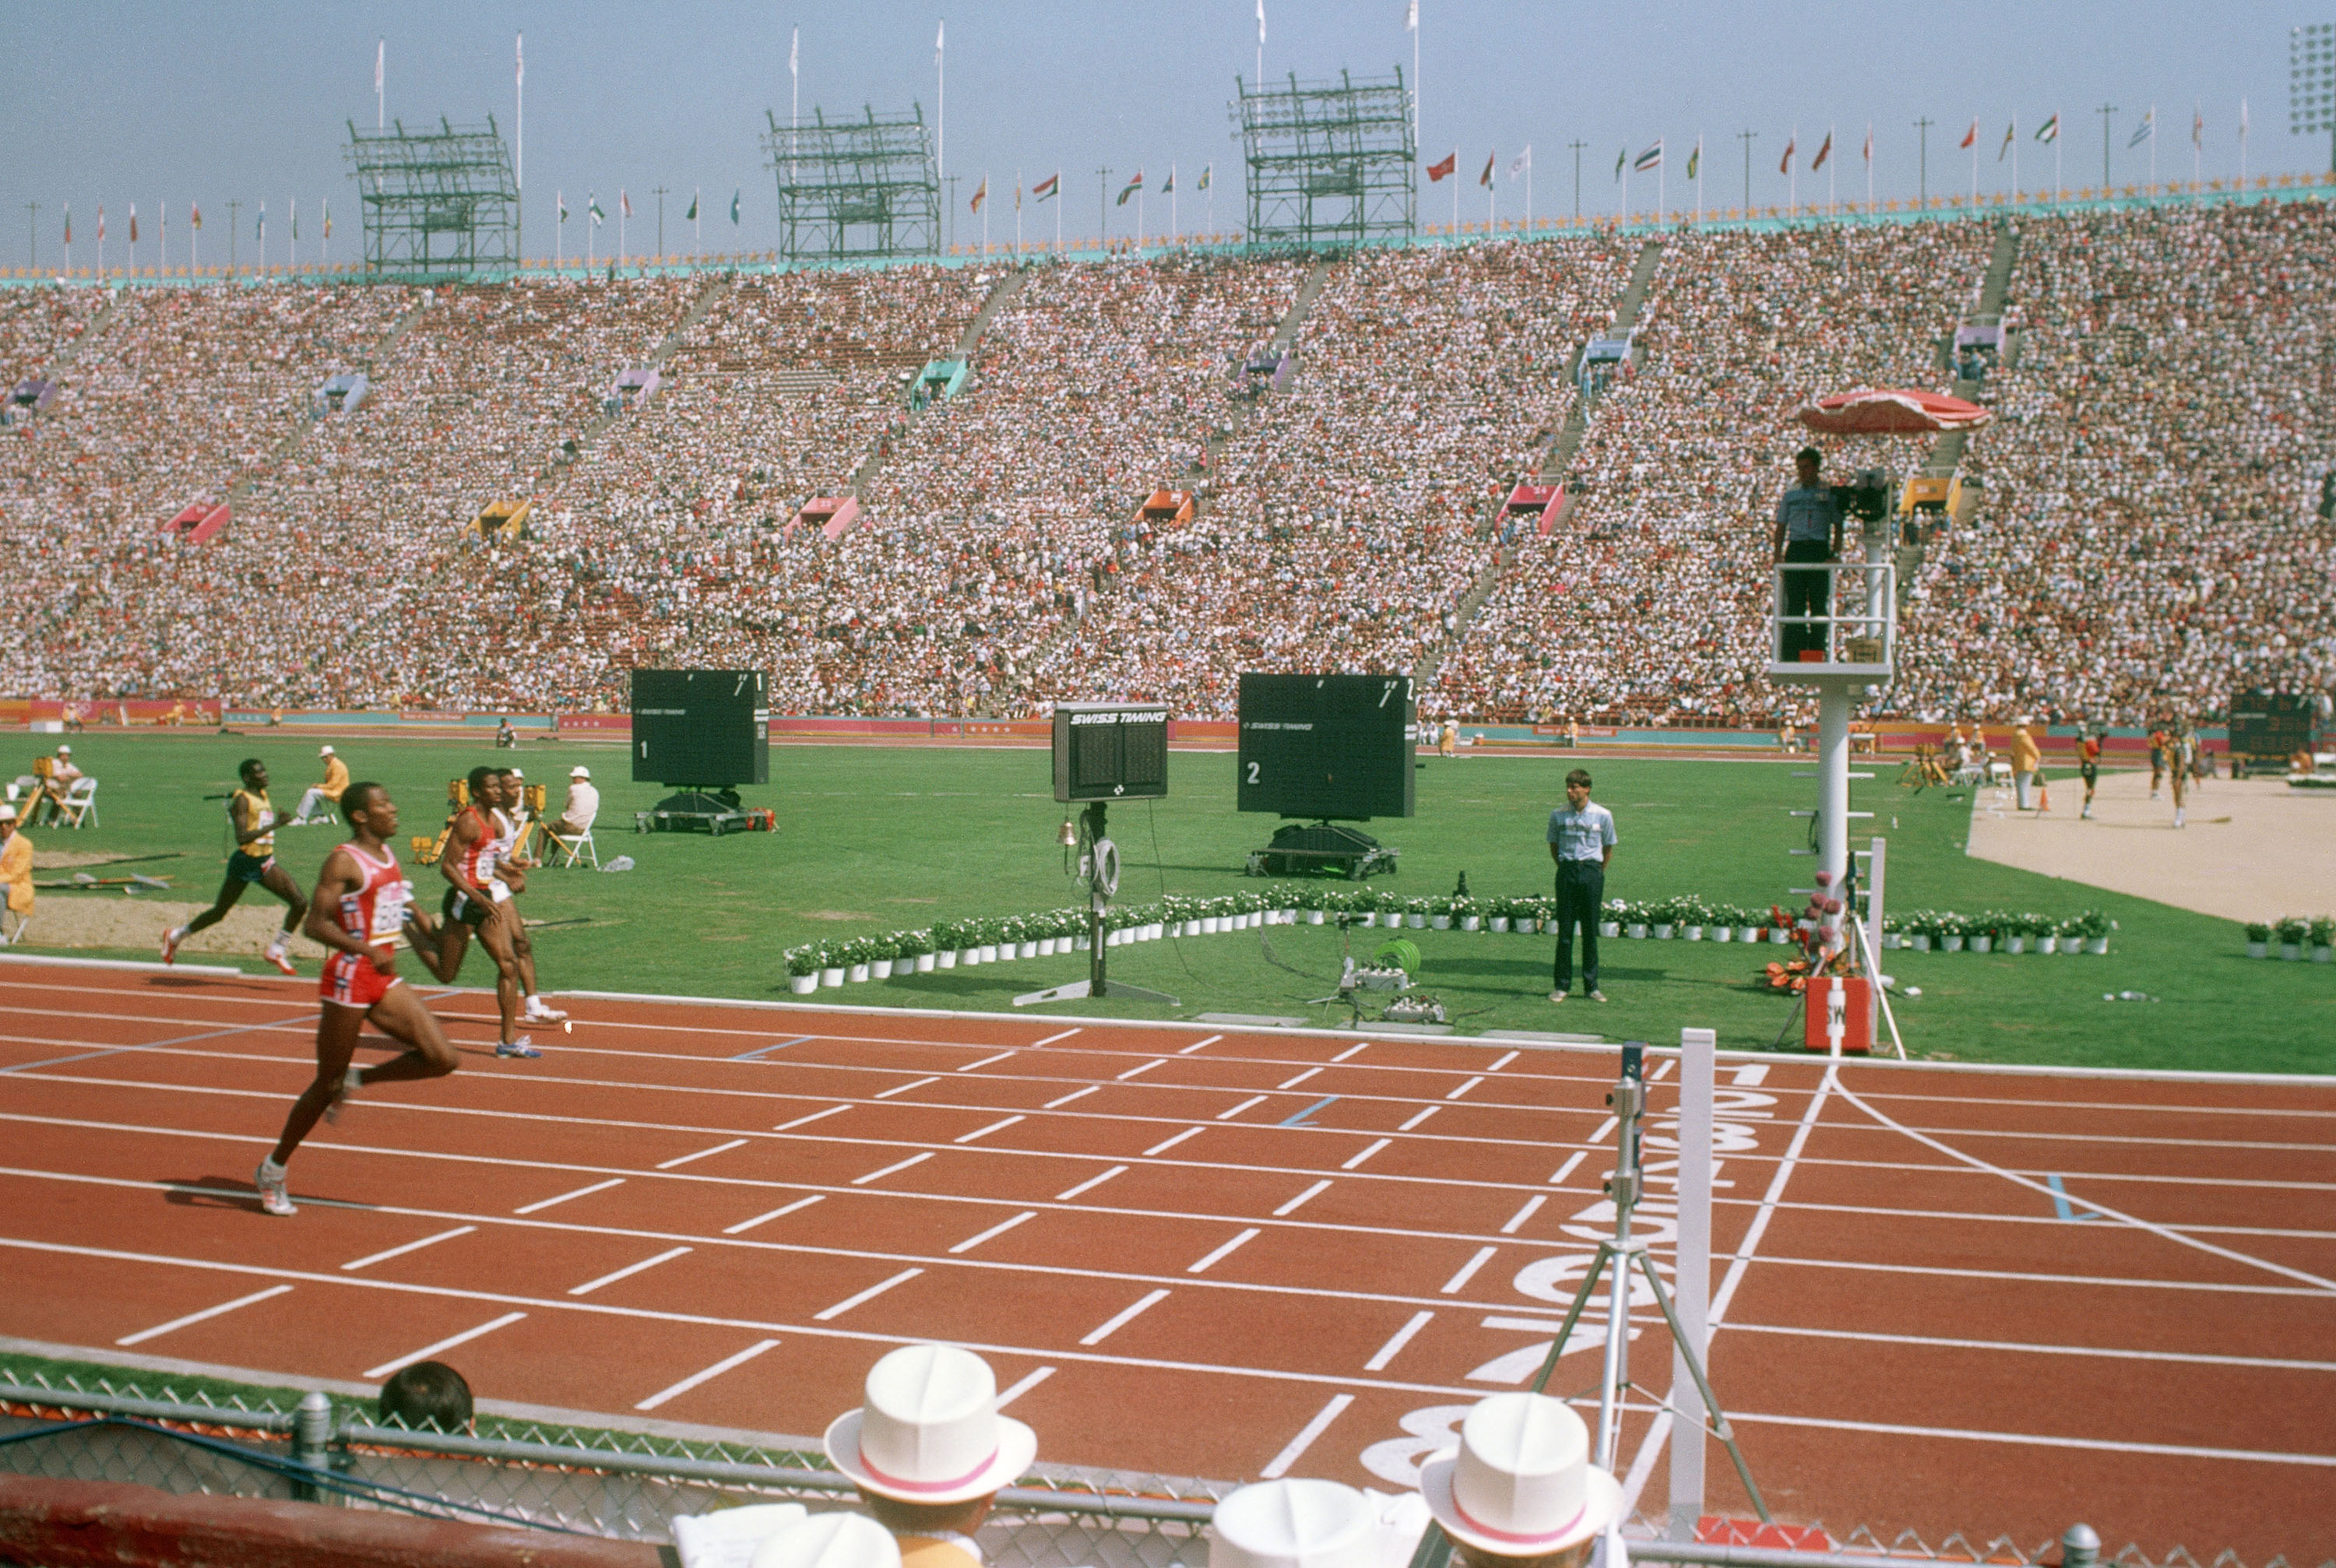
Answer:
(1521, 1484)
(930, 1431)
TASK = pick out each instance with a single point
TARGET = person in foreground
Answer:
(1581, 842)
(361, 911)
(1519, 1490)
(929, 1451)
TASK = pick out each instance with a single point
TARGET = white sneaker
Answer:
(275, 954)
(170, 941)
(523, 1046)
(270, 1180)
(539, 1011)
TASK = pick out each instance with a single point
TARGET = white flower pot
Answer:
(1416, 922)
(1527, 925)
(1747, 933)
(1981, 944)
(1440, 922)
(2015, 944)
(1025, 950)
(2258, 950)
(1247, 921)
(2319, 955)
(831, 977)
(2047, 944)
(1609, 927)
(1692, 933)
(2072, 945)
(926, 961)
(879, 969)
(1154, 931)
(968, 957)
(1665, 931)
(1500, 922)
(1210, 925)
(1290, 917)
(1954, 944)
(2291, 951)
(1921, 941)
(1316, 917)
(1472, 922)
(947, 960)
(989, 953)
(1723, 934)
(802, 984)
(1046, 945)
(1636, 930)
(857, 974)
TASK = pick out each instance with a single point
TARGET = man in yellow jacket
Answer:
(321, 804)
(16, 875)
(2025, 760)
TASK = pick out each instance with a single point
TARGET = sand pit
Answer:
(114, 919)
(2254, 850)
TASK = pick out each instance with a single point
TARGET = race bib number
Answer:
(389, 907)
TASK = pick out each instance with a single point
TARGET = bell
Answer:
(1069, 836)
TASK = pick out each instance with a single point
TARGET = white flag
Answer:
(941, 33)
(519, 53)
(1521, 161)
(1260, 24)
(1411, 21)
(794, 49)
(380, 51)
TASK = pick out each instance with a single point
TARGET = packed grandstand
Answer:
(2146, 526)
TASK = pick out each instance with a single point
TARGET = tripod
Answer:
(1614, 1262)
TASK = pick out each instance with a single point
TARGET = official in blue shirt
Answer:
(1808, 529)
(1581, 842)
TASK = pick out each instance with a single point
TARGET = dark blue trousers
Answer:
(1581, 887)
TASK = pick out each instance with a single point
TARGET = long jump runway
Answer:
(1948, 1300)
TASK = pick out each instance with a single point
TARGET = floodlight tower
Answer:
(2311, 83)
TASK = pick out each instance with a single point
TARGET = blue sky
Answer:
(168, 103)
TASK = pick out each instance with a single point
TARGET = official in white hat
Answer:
(830, 1541)
(322, 802)
(1296, 1524)
(929, 1451)
(1521, 1487)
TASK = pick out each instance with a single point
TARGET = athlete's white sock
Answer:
(277, 946)
(270, 1168)
(2179, 815)
(175, 934)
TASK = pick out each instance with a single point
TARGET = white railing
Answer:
(1852, 625)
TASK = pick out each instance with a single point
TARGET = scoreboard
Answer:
(701, 727)
(1110, 751)
(1327, 745)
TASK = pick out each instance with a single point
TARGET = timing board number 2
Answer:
(1252, 772)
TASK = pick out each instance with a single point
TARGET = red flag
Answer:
(1437, 171)
(1046, 186)
(1971, 135)
(1784, 164)
(133, 223)
(199, 215)
(1486, 177)
(101, 221)
(1823, 152)
(981, 193)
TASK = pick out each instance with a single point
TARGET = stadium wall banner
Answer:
(132, 712)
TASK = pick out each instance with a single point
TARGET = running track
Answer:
(1214, 1254)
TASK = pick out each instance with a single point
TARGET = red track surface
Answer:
(1907, 1341)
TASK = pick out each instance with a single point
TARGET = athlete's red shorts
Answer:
(353, 981)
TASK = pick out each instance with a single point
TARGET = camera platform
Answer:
(714, 812)
(1322, 849)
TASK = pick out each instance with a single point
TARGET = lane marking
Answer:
(1451, 1287)
(1223, 1252)
(889, 1170)
(2183, 1358)
(1073, 1095)
(1196, 1045)
(2039, 1440)
(2061, 1206)
(1604, 1127)
(539, 1207)
(985, 1131)
(150, 1045)
(1505, 1061)
(970, 1242)
(1171, 1143)
(1022, 1388)
(680, 1161)
(1466, 1088)
(1237, 1110)
(449, 1342)
(1573, 1163)
(1050, 1039)
(1123, 1317)
(1352, 1051)
(1517, 1219)
(1751, 1077)
(1416, 1120)
(707, 1376)
(1664, 1071)
(904, 1088)
(382, 1257)
(870, 1294)
(629, 1269)
(143, 1335)
(1298, 1117)
(1301, 1078)
(1315, 1191)
(1280, 1463)
(1092, 1182)
(756, 1055)
(1402, 1337)
(743, 1226)
(1366, 1154)
(986, 1061)
(805, 1121)
(1139, 1072)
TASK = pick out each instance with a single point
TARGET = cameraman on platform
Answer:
(1808, 529)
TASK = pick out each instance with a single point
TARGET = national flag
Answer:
(624, 202)
(380, 52)
(1652, 158)
(68, 225)
(518, 60)
(259, 228)
(1048, 187)
(1823, 152)
(1621, 161)
(1970, 137)
(2009, 131)
(1017, 193)
(1521, 161)
(1203, 182)
(1695, 157)
(2242, 120)
(1261, 25)
(134, 222)
(1486, 179)
(295, 220)
(592, 210)
(1411, 18)
(733, 206)
(560, 199)
(198, 213)
(1443, 166)
(1784, 164)
(2050, 130)
(1170, 187)
(1137, 184)
(691, 216)
(941, 36)
(1869, 141)
(2148, 131)
(794, 53)
(101, 223)
(980, 195)
(2198, 128)
(328, 217)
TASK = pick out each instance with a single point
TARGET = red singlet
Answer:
(374, 914)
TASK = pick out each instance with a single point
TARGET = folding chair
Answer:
(79, 808)
(573, 847)
(13, 927)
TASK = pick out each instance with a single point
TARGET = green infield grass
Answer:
(874, 838)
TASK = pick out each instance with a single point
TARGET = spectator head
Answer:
(64, 751)
(928, 1448)
(829, 1541)
(1521, 1489)
(1293, 1525)
(478, 780)
(428, 1395)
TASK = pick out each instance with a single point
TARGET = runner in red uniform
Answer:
(479, 899)
(360, 911)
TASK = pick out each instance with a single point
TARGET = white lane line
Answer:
(158, 1329)
(1416, 1120)
(1223, 1252)
(1366, 1154)
(1753, 1076)
(375, 1374)
(1196, 1045)
(667, 1256)
(1123, 1317)
(1351, 1051)
(870, 1294)
(1162, 1148)
(1139, 1072)
(1604, 1127)
(1315, 1191)
(2183, 1358)
(1467, 1271)
(1505, 1061)
(680, 1161)
(1050, 1039)
(579, 1192)
(1022, 1388)
(707, 1376)
(1466, 1088)
(1237, 1110)
(1516, 1221)
(382, 1257)
(743, 1226)
(1573, 1163)
(970, 1242)
(1073, 1095)
(1664, 1071)
(805, 1121)
(1091, 1184)
(986, 1061)
(1301, 1078)
(1402, 1337)
(889, 1170)
(2038, 1440)
(904, 1088)
(1280, 1463)
(985, 1131)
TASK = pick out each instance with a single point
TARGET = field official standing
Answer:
(1581, 842)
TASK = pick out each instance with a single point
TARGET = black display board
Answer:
(1111, 751)
(701, 727)
(1327, 745)
(2270, 724)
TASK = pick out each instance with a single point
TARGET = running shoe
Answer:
(539, 1011)
(170, 941)
(1598, 996)
(523, 1046)
(271, 1179)
(351, 1081)
(277, 955)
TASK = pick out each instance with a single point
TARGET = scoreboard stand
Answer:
(1104, 752)
(1324, 847)
(700, 732)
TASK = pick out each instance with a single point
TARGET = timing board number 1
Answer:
(1252, 772)
(1388, 693)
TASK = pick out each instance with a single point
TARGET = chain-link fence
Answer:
(628, 1485)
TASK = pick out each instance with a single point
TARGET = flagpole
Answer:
(1171, 203)
(2060, 189)
(697, 221)
(1869, 169)
(559, 228)
(162, 236)
(1833, 167)
(1793, 175)
(1455, 171)
(1017, 209)
(1697, 177)
(518, 169)
(1974, 140)
(2015, 158)
(2153, 147)
(380, 59)
(1059, 211)
(1662, 185)
(940, 107)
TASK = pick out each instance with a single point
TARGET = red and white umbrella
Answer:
(1874, 411)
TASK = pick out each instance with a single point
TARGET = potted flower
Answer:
(1439, 913)
(881, 951)
(1747, 925)
(1415, 912)
(2093, 926)
(832, 962)
(1392, 910)
(1984, 927)
(1026, 936)
(1666, 919)
(1525, 916)
(1635, 924)
(1919, 930)
(949, 939)
(1468, 914)
(2258, 940)
(1953, 929)
(2293, 931)
(1894, 933)
(1722, 928)
(2015, 934)
(1693, 916)
(803, 969)
(916, 952)
(2321, 940)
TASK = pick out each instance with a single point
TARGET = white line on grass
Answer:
(986, 1061)
(743, 1226)
(1280, 1463)
(667, 1256)
(970, 1242)
(158, 1329)
(1162, 1148)
(1402, 1337)
(985, 1131)
(1139, 1072)
(891, 1169)
(579, 1192)
(1237, 1110)
(1196, 1045)
(1073, 1095)
(904, 1088)
(805, 1121)
(1420, 1117)
(1050, 1039)
(1091, 1184)
(1123, 1317)
(1517, 1219)
(1223, 1252)
(707, 1376)
(682, 1160)
(376, 1373)
(1467, 1271)
(1022, 1388)
(382, 1257)
(1315, 1191)
(870, 1294)
(1366, 1154)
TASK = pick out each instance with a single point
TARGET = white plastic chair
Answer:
(1999, 772)
(13, 927)
(79, 808)
(574, 847)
